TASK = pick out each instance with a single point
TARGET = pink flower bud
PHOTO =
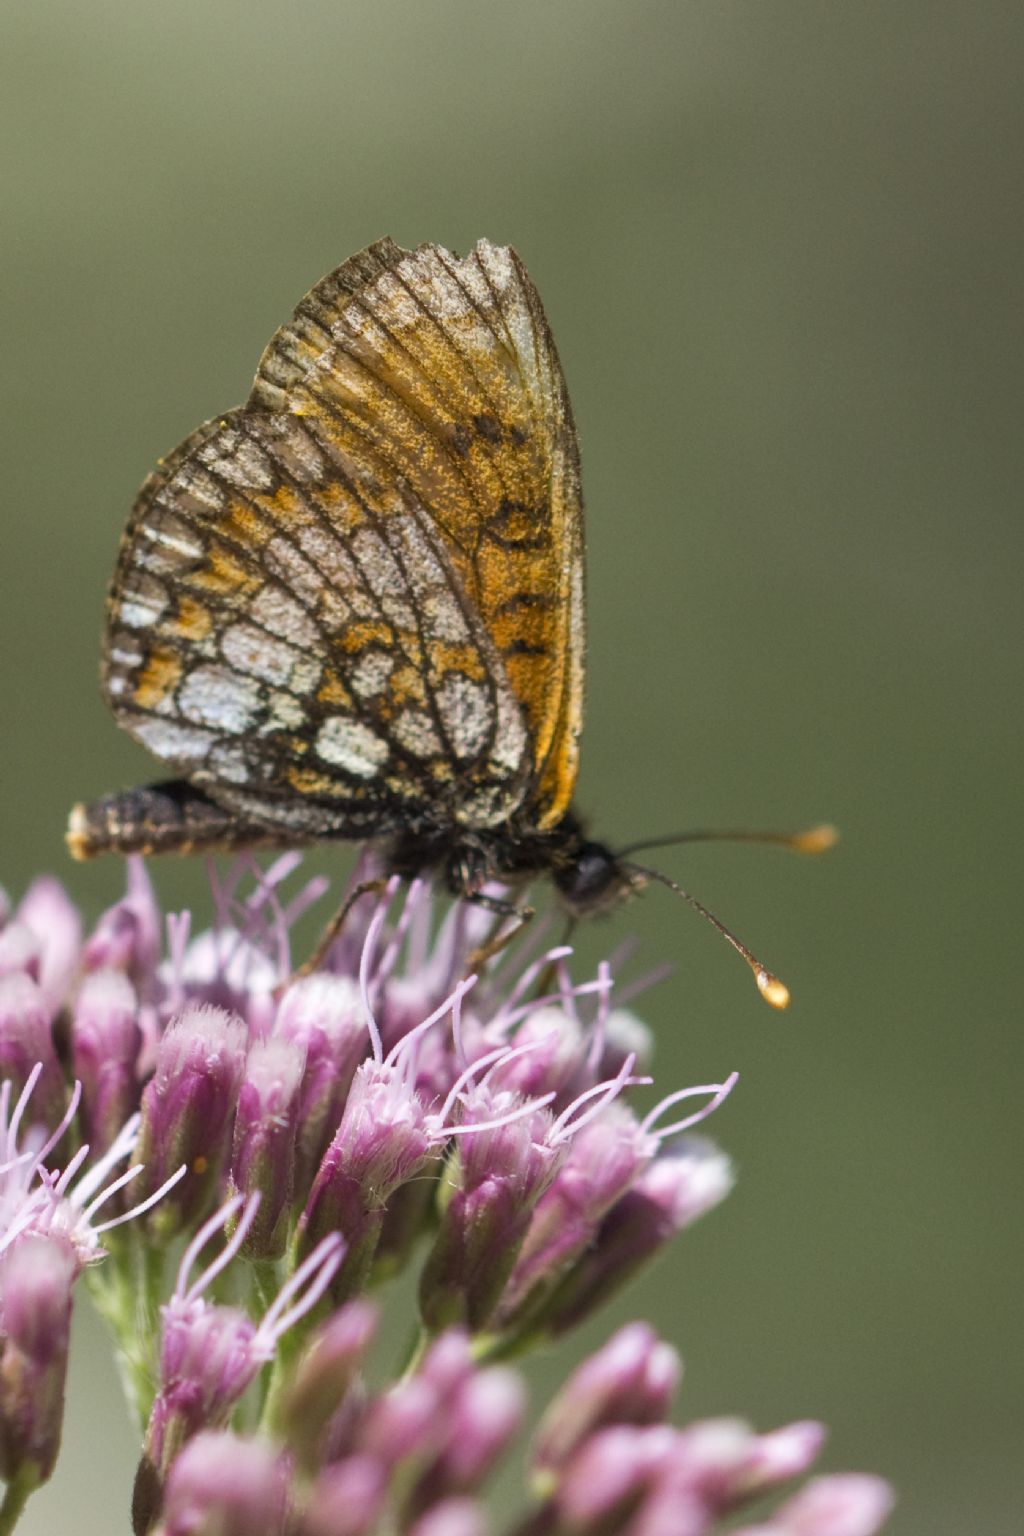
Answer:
(685, 1179)
(188, 1110)
(20, 951)
(348, 1498)
(324, 1378)
(781, 1455)
(601, 1162)
(324, 1017)
(481, 1420)
(497, 1172)
(49, 912)
(852, 1504)
(36, 1277)
(127, 936)
(210, 1354)
(263, 1158)
(612, 1474)
(25, 1040)
(105, 1045)
(552, 1063)
(228, 1485)
(630, 1380)
(207, 1360)
(382, 1141)
(452, 1517)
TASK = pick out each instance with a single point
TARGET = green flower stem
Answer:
(418, 1345)
(16, 1496)
(126, 1290)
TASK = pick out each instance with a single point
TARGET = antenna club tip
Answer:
(774, 991)
(817, 839)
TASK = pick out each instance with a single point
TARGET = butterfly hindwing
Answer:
(355, 603)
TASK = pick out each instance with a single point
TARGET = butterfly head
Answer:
(593, 879)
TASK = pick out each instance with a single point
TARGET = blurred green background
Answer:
(780, 246)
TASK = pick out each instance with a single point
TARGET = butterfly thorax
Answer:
(586, 874)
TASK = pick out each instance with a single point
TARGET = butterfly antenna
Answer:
(769, 985)
(811, 840)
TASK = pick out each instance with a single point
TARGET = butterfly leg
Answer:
(499, 940)
(330, 933)
(546, 981)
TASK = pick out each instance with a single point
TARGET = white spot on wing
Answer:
(172, 742)
(414, 731)
(466, 713)
(220, 698)
(192, 489)
(251, 650)
(237, 460)
(443, 618)
(277, 611)
(177, 543)
(229, 762)
(351, 745)
(397, 611)
(486, 806)
(127, 658)
(509, 736)
(284, 713)
(335, 570)
(137, 612)
(379, 566)
(370, 674)
(292, 568)
(430, 581)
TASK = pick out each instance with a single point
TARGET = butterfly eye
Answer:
(593, 879)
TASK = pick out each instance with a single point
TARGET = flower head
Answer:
(305, 1139)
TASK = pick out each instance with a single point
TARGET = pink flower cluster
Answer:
(299, 1140)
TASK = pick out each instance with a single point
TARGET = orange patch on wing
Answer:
(224, 573)
(333, 691)
(308, 782)
(366, 632)
(192, 621)
(405, 687)
(158, 678)
(465, 659)
(245, 525)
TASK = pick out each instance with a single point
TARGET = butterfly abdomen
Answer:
(173, 817)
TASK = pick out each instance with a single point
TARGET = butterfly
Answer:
(354, 606)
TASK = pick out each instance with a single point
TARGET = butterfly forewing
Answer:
(354, 605)
(446, 372)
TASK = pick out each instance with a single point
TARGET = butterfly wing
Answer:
(355, 603)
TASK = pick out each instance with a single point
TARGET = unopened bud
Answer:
(324, 1377)
(224, 1485)
(323, 1016)
(188, 1111)
(263, 1158)
(348, 1498)
(36, 1276)
(48, 910)
(26, 1039)
(105, 1044)
(630, 1380)
(687, 1177)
